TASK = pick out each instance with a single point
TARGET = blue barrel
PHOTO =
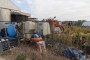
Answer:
(11, 30)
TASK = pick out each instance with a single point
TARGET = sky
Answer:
(62, 9)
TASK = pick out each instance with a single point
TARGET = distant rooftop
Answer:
(87, 23)
(32, 19)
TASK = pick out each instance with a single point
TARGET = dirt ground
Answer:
(28, 59)
(2, 58)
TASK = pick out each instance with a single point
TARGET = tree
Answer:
(80, 22)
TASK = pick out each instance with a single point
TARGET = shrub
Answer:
(21, 57)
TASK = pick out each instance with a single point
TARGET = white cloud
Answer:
(29, 1)
(63, 9)
(18, 1)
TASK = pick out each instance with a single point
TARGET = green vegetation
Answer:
(24, 52)
(5, 53)
(80, 22)
(21, 57)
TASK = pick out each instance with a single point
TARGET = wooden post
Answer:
(52, 29)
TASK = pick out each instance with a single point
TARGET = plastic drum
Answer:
(11, 30)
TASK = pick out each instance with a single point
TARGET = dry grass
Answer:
(30, 54)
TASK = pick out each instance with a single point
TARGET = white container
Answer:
(43, 28)
(29, 25)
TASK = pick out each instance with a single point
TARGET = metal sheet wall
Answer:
(43, 28)
(4, 17)
(46, 28)
(29, 25)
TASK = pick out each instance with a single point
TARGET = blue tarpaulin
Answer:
(74, 53)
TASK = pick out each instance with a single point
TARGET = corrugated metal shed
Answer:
(6, 9)
(32, 19)
(87, 23)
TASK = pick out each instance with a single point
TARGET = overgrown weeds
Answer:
(54, 46)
